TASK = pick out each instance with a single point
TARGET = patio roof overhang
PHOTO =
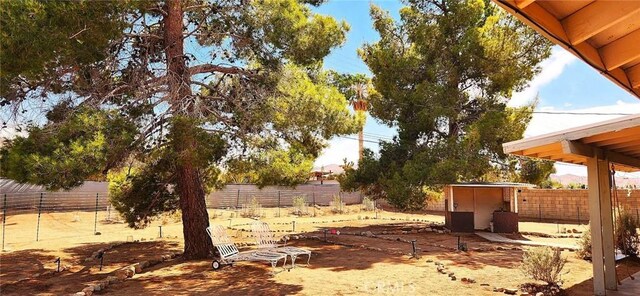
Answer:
(617, 141)
(605, 34)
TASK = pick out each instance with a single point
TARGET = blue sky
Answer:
(564, 84)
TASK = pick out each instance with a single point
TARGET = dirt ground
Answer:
(357, 265)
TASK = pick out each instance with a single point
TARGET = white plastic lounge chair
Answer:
(265, 239)
(230, 254)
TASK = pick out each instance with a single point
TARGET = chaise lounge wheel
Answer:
(216, 265)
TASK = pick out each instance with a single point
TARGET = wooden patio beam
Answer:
(621, 51)
(577, 148)
(596, 17)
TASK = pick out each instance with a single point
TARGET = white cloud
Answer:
(551, 69)
(9, 133)
(339, 149)
(547, 123)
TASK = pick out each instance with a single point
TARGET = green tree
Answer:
(444, 73)
(535, 171)
(181, 90)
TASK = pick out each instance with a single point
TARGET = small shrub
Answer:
(584, 244)
(626, 234)
(337, 206)
(368, 204)
(177, 216)
(252, 209)
(543, 264)
(300, 205)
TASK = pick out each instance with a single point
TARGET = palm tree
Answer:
(360, 105)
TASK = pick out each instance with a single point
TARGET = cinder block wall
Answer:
(567, 204)
(558, 204)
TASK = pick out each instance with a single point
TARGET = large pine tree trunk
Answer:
(195, 218)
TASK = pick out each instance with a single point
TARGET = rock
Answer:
(484, 285)
(468, 280)
(111, 279)
(137, 267)
(80, 294)
(429, 260)
(121, 274)
(510, 291)
(499, 290)
(368, 234)
(453, 278)
(451, 274)
(88, 291)
(96, 288)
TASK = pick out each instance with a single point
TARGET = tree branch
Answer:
(209, 68)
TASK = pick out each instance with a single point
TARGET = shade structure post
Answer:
(603, 254)
(451, 209)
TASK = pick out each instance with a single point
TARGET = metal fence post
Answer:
(95, 223)
(39, 212)
(4, 219)
(237, 202)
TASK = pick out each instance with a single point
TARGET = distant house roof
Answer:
(491, 184)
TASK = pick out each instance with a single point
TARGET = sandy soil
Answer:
(334, 270)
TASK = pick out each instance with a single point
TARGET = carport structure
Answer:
(606, 35)
(598, 146)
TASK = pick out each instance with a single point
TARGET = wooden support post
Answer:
(609, 251)
(451, 209)
(595, 212)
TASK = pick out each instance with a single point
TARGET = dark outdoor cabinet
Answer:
(505, 222)
(461, 221)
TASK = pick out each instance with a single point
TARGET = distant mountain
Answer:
(569, 178)
(334, 168)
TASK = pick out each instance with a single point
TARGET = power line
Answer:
(580, 113)
(364, 140)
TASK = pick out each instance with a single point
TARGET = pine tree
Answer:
(167, 94)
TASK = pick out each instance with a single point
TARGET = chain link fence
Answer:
(33, 216)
